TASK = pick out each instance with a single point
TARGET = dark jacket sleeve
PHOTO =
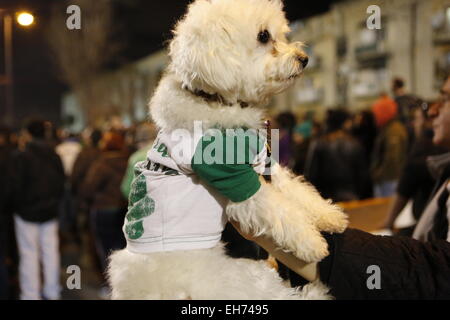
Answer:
(79, 169)
(408, 269)
(60, 176)
(18, 179)
(313, 164)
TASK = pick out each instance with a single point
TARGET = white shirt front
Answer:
(170, 207)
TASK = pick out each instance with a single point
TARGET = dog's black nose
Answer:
(303, 60)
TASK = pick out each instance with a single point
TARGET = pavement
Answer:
(91, 282)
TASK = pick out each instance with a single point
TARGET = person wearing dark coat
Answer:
(101, 191)
(416, 182)
(405, 102)
(84, 160)
(336, 163)
(406, 268)
(364, 130)
(434, 221)
(38, 184)
(87, 156)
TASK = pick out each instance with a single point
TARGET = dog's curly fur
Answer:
(201, 275)
(215, 49)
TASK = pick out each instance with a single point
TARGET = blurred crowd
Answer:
(58, 188)
(353, 156)
(383, 151)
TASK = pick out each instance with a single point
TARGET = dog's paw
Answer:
(313, 248)
(335, 221)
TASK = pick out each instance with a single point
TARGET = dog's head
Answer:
(236, 48)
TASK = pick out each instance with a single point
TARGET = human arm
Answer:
(368, 267)
(397, 207)
(309, 271)
(414, 177)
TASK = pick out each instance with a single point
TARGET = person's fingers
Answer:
(237, 226)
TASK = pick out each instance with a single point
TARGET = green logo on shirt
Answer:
(140, 206)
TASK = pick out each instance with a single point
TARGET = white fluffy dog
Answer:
(228, 57)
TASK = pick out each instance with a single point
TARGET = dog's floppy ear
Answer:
(202, 51)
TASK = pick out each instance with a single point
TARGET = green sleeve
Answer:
(138, 156)
(235, 179)
(125, 186)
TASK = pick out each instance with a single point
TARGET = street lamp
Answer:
(24, 19)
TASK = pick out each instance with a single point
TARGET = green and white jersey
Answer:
(179, 194)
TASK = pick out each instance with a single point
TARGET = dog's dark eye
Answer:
(264, 36)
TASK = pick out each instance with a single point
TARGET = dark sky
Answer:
(141, 26)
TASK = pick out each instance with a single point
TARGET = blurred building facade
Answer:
(350, 65)
(123, 93)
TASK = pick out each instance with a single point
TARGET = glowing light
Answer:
(25, 19)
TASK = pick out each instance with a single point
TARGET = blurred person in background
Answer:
(302, 136)
(434, 221)
(144, 137)
(101, 191)
(285, 122)
(405, 102)
(416, 182)
(336, 163)
(38, 185)
(68, 151)
(364, 129)
(6, 225)
(115, 123)
(305, 127)
(130, 138)
(390, 149)
(89, 153)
